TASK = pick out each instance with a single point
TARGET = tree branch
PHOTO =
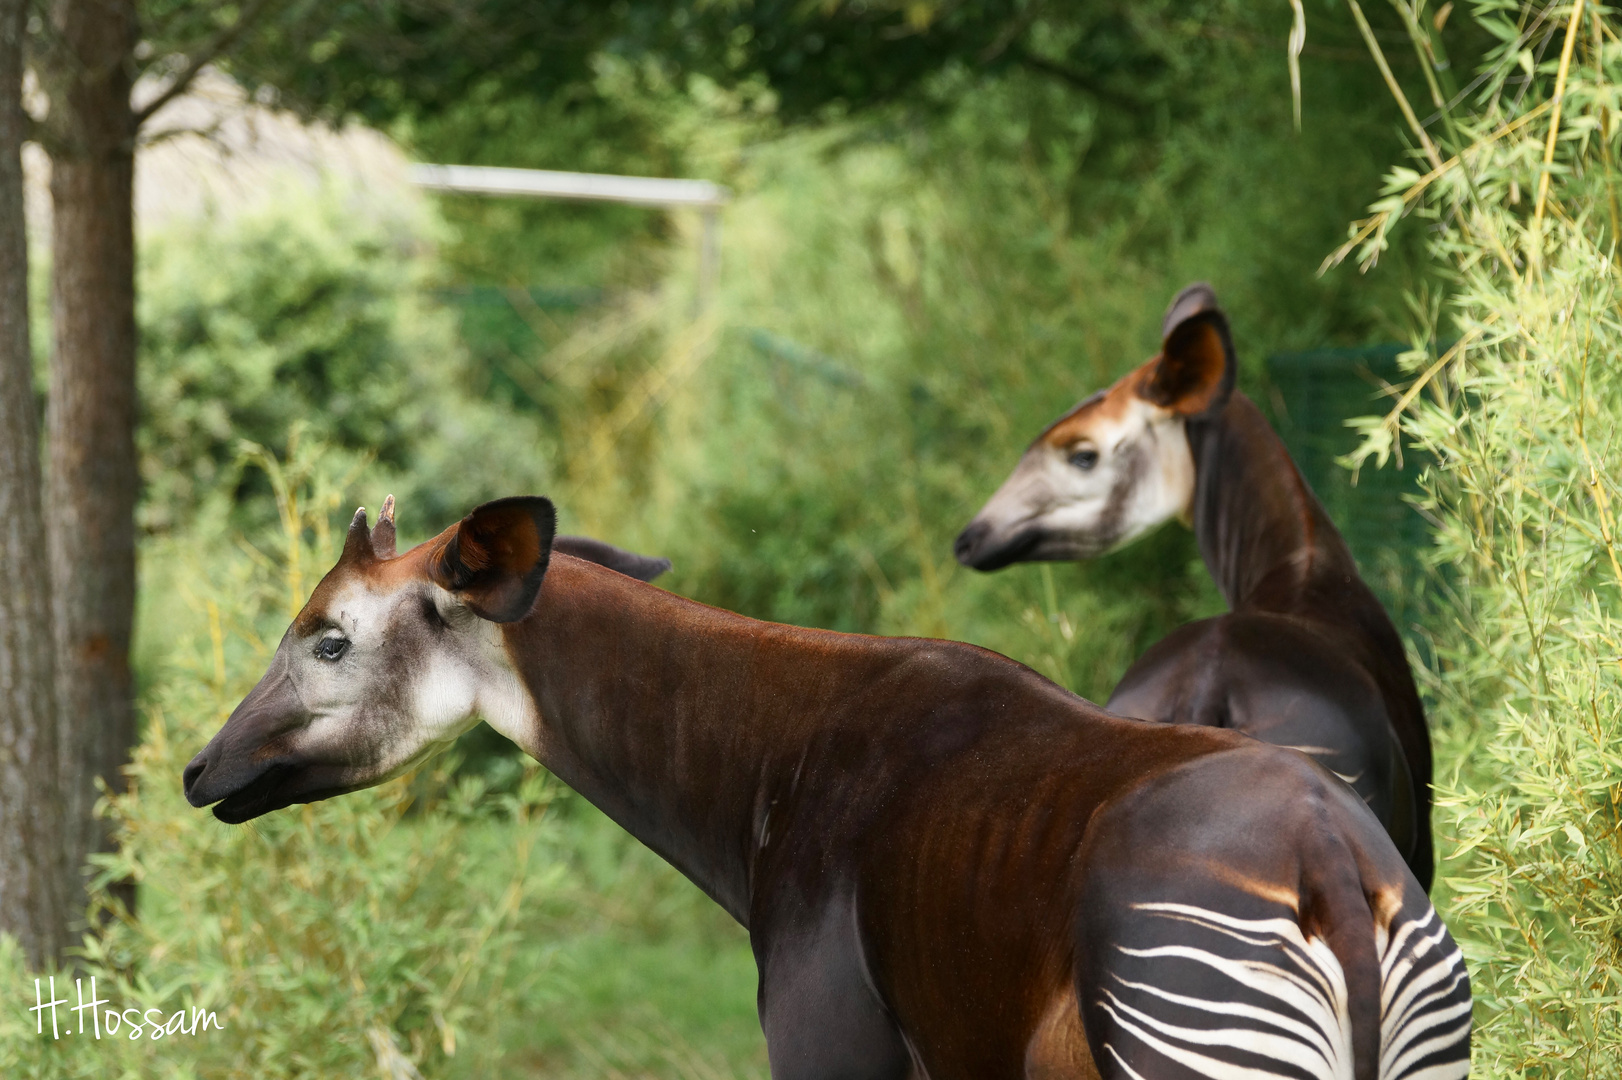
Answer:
(200, 59)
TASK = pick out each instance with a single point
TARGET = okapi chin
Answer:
(1307, 657)
(948, 866)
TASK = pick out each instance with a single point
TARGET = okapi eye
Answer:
(331, 648)
(1085, 458)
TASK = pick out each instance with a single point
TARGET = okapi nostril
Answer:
(967, 541)
(193, 772)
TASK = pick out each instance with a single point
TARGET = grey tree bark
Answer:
(33, 875)
(92, 476)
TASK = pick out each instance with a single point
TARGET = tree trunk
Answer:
(32, 874)
(90, 418)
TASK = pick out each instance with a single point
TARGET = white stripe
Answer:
(1307, 980)
(1264, 978)
(1392, 978)
(1395, 1036)
(1215, 1068)
(1264, 1044)
(1451, 1037)
(1419, 971)
(1420, 1007)
(1239, 1009)
(1448, 1070)
(1271, 931)
(1391, 949)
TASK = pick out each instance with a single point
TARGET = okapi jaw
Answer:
(391, 659)
(1118, 464)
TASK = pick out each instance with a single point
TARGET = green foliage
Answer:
(390, 59)
(881, 349)
(807, 449)
(311, 311)
(1523, 416)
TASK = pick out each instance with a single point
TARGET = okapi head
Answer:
(391, 659)
(1118, 464)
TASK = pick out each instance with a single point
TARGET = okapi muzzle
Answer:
(391, 659)
(1118, 464)
(264, 758)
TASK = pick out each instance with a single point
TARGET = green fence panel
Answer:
(1313, 394)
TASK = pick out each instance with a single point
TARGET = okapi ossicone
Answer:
(1306, 657)
(948, 866)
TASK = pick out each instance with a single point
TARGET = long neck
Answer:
(683, 723)
(1265, 537)
(1271, 547)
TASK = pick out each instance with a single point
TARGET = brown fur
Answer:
(936, 852)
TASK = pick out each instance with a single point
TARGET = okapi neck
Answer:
(1264, 535)
(685, 724)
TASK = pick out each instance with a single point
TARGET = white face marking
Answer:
(407, 683)
(470, 677)
(1122, 476)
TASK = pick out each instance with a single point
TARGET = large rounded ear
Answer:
(1194, 374)
(495, 560)
(629, 563)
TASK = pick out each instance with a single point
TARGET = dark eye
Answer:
(331, 648)
(1085, 458)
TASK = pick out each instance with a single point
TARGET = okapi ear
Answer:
(629, 563)
(1191, 301)
(383, 534)
(496, 558)
(1195, 371)
(358, 541)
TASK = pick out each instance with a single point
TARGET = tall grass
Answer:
(1521, 411)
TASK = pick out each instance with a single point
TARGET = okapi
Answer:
(1306, 657)
(948, 866)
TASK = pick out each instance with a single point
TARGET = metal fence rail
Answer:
(551, 184)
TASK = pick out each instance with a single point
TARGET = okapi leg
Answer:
(821, 1015)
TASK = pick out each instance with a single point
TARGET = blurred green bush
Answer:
(313, 309)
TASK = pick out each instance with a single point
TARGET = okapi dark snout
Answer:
(239, 767)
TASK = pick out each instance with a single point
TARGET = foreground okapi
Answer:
(948, 866)
(1306, 657)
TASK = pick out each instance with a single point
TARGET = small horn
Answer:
(358, 542)
(383, 534)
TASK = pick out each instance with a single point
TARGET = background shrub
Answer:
(1520, 411)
